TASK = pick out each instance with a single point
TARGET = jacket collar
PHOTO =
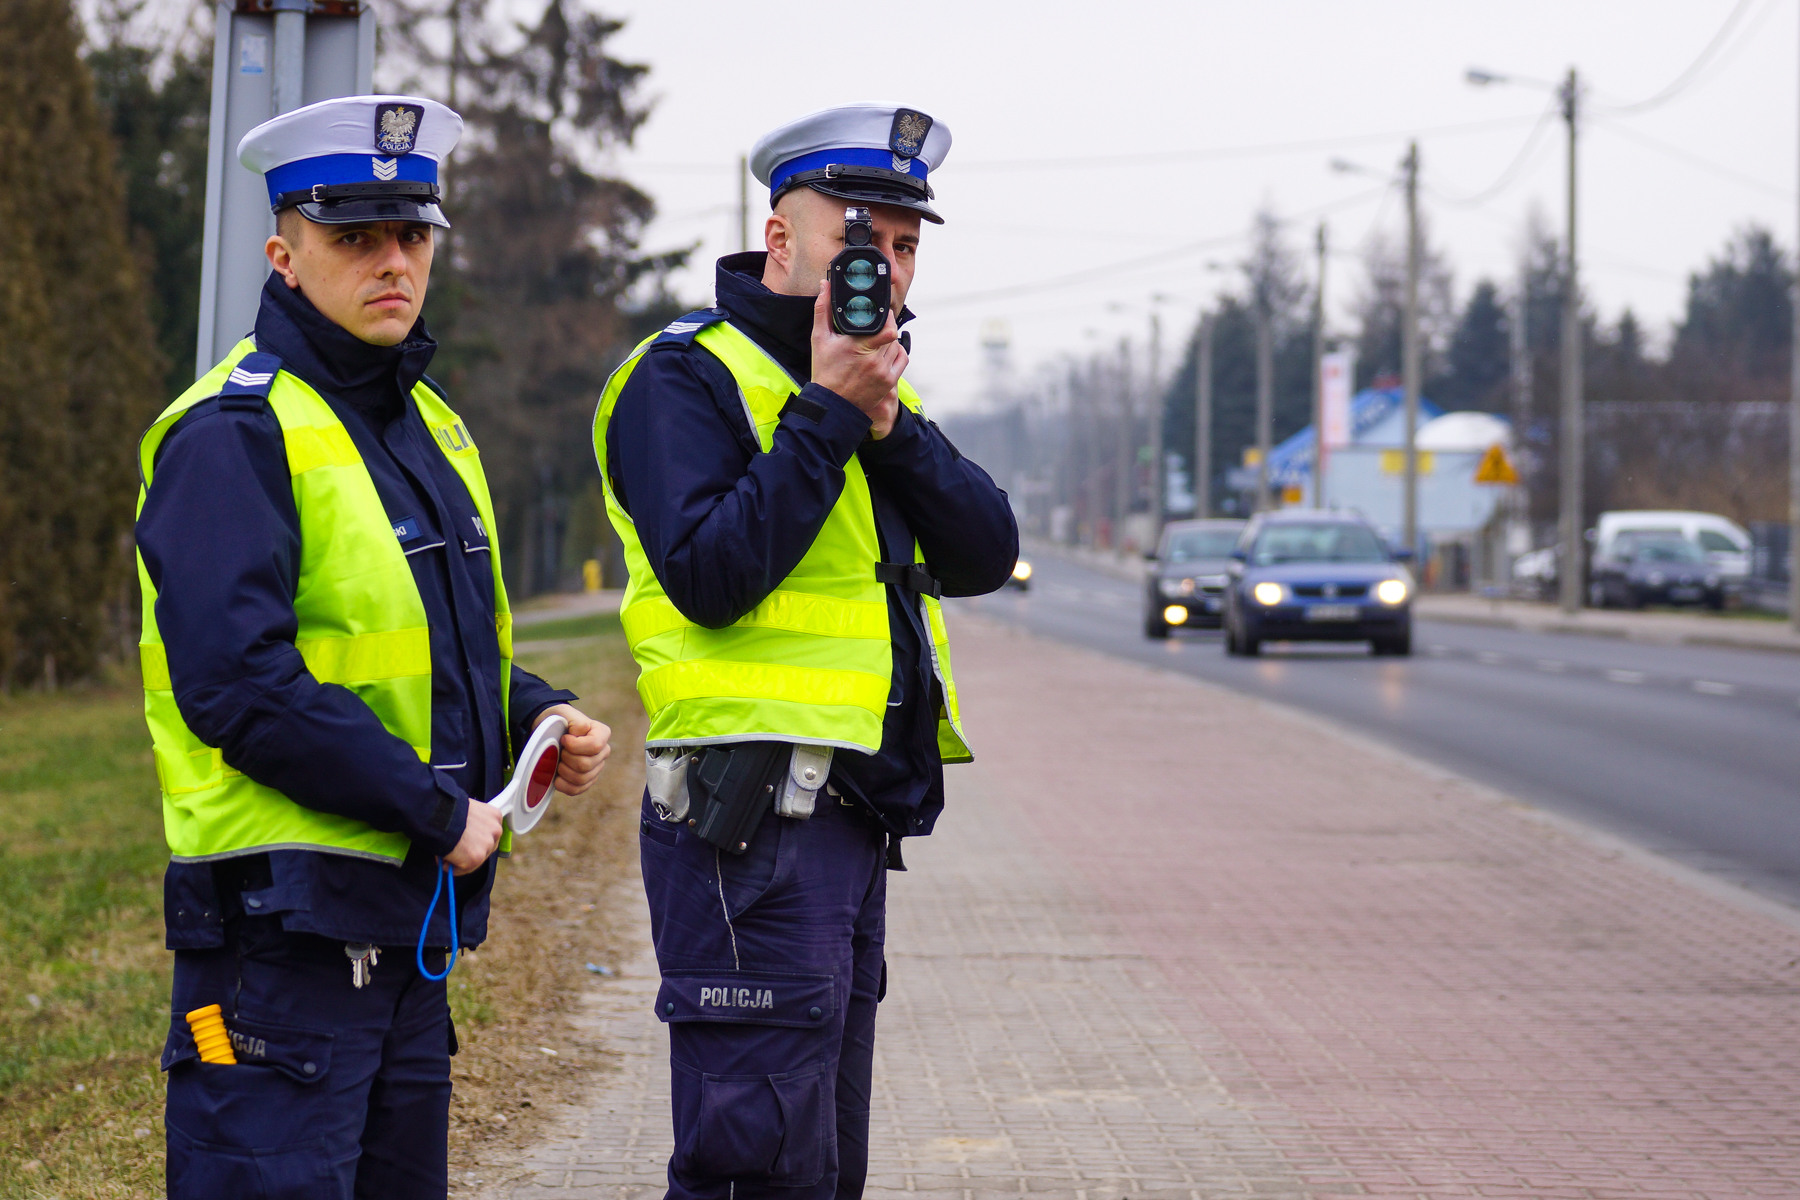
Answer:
(332, 359)
(781, 325)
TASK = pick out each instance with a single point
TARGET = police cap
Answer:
(865, 153)
(356, 158)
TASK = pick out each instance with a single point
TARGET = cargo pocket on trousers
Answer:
(754, 1092)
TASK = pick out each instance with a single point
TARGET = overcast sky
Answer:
(1082, 132)
(1106, 153)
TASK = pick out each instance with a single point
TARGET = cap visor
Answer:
(364, 209)
(864, 192)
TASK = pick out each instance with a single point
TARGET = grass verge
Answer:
(84, 979)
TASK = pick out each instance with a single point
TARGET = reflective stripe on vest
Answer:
(361, 625)
(813, 662)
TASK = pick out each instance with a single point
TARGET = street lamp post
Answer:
(1203, 398)
(1570, 541)
(1318, 379)
(1409, 356)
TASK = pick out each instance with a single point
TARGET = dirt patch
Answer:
(559, 926)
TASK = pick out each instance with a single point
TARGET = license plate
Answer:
(1333, 612)
(1684, 593)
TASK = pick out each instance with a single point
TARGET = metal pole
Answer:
(1409, 359)
(290, 55)
(1203, 420)
(1126, 451)
(1569, 571)
(1794, 460)
(1157, 469)
(743, 203)
(1318, 379)
(1265, 396)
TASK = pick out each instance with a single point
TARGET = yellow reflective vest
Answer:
(812, 663)
(361, 623)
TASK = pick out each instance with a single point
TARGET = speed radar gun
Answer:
(522, 802)
(862, 290)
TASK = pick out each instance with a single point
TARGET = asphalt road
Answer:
(1691, 752)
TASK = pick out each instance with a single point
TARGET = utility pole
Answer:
(1318, 378)
(1569, 571)
(743, 203)
(1794, 467)
(1157, 470)
(1203, 420)
(1409, 358)
(1265, 394)
(1125, 463)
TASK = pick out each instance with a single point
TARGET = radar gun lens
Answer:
(860, 274)
(860, 313)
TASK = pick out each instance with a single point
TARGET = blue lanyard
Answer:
(443, 874)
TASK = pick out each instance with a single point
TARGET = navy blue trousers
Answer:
(338, 1092)
(772, 965)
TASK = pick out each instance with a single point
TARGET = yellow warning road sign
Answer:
(1496, 467)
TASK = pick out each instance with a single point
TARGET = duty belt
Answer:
(911, 576)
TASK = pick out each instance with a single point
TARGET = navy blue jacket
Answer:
(723, 525)
(220, 538)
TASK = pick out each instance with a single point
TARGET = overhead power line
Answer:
(1161, 258)
(1701, 61)
(1514, 170)
(1253, 150)
(1692, 159)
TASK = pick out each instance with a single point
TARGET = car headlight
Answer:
(1267, 593)
(1175, 614)
(1656, 579)
(1169, 587)
(1021, 570)
(1391, 591)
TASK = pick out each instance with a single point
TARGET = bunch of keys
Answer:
(362, 957)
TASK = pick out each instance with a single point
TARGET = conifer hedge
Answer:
(79, 368)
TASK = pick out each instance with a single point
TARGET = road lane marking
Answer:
(1438, 651)
(1549, 664)
(1627, 676)
(1709, 688)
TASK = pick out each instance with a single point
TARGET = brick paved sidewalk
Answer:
(1172, 942)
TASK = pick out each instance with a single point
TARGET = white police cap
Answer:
(866, 153)
(356, 158)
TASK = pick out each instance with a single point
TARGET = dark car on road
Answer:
(1185, 585)
(1659, 568)
(1304, 575)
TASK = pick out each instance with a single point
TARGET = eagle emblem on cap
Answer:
(397, 127)
(906, 137)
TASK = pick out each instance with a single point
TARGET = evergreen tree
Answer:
(1479, 361)
(78, 362)
(530, 292)
(1739, 318)
(157, 105)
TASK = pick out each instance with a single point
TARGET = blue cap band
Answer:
(348, 168)
(849, 156)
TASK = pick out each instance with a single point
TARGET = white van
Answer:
(1725, 542)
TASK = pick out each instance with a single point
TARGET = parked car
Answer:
(1725, 543)
(1654, 568)
(1185, 586)
(1311, 575)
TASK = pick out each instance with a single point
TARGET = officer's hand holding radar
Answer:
(329, 682)
(791, 522)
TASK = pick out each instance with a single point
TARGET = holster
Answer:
(730, 787)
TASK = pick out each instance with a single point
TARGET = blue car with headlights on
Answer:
(1303, 575)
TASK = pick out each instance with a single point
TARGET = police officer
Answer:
(329, 686)
(790, 521)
